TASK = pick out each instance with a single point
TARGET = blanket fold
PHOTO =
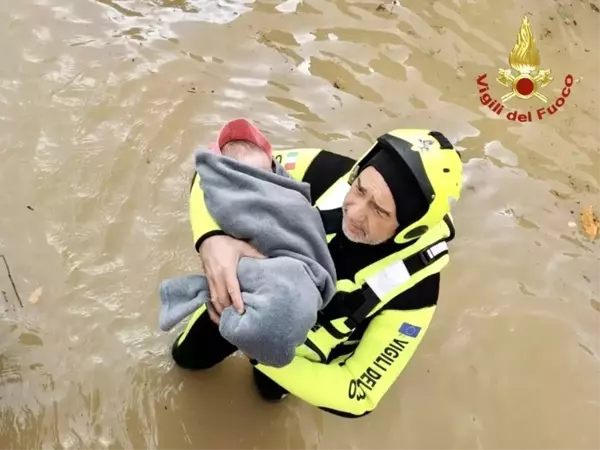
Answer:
(283, 293)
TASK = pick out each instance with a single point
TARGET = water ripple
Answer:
(102, 103)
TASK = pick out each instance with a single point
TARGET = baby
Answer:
(252, 197)
(248, 153)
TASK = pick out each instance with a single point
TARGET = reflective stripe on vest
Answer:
(396, 273)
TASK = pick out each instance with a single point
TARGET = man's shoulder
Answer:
(324, 170)
(317, 167)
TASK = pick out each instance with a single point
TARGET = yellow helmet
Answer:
(436, 166)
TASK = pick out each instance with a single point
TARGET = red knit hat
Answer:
(242, 130)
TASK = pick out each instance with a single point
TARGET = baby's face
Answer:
(260, 160)
(248, 154)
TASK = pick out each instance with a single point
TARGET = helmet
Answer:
(436, 166)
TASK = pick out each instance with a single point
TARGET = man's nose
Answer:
(358, 210)
(362, 205)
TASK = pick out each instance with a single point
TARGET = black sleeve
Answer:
(324, 170)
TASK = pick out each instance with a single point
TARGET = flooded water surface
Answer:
(101, 105)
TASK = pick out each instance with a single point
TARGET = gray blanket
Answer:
(283, 293)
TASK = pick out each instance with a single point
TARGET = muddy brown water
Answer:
(101, 105)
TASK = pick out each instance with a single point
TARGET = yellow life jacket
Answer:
(377, 283)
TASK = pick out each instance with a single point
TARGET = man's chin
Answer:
(360, 239)
(357, 239)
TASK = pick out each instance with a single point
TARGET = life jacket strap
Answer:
(357, 305)
(412, 265)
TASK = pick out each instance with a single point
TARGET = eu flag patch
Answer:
(409, 330)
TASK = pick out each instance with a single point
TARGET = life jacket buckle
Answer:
(425, 257)
(350, 323)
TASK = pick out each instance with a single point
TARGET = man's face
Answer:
(369, 210)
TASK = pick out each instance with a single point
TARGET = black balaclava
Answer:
(410, 202)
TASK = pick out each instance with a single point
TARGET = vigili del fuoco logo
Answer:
(524, 80)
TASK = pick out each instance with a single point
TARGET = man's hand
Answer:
(220, 256)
